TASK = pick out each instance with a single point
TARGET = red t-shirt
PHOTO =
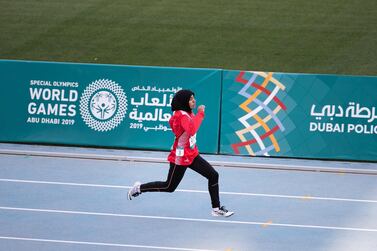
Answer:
(184, 126)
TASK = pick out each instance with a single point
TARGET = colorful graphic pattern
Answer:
(257, 127)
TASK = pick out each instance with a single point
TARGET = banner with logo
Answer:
(102, 105)
(299, 115)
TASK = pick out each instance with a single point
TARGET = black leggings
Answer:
(176, 173)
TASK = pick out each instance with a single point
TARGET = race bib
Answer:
(180, 152)
(192, 141)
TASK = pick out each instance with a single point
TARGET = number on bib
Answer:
(180, 152)
(192, 141)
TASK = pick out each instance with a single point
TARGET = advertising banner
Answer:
(102, 105)
(299, 115)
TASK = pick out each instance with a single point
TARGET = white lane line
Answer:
(130, 157)
(63, 183)
(98, 243)
(305, 197)
(94, 156)
(187, 219)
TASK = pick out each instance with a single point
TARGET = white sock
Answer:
(215, 209)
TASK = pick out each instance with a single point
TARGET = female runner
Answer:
(184, 154)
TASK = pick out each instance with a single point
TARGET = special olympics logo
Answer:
(103, 105)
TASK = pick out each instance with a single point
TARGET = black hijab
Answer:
(181, 101)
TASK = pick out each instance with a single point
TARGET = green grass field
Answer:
(318, 36)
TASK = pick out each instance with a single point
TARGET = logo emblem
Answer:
(260, 91)
(103, 105)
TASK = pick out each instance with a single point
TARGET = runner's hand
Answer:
(201, 108)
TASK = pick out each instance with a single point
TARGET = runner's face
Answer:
(192, 102)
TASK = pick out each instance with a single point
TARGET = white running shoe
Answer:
(222, 211)
(134, 191)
